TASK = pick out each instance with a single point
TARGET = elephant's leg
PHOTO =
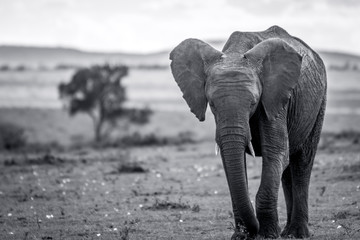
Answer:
(274, 142)
(266, 200)
(287, 188)
(301, 163)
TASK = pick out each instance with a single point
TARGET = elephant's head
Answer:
(235, 85)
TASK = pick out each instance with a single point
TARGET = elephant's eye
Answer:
(211, 104)
(213, 107)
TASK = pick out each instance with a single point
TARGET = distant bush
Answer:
(347, 66)
(341, 141)
(11, 136)
(136, 139)
(20, 68)
(50, 146)
(42, 159)
(4, 67)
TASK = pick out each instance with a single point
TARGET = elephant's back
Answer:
(296, 43)
(309, 95)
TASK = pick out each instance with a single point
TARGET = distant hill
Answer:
(51, 57)
(340, 61)
(331, 55)
(35, 57)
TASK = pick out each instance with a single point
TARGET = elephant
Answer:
(267, 92)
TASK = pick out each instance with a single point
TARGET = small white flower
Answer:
(338, 227)
(181, 220)
(98, 234)
(9, 214)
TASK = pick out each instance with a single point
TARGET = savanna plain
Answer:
(170, 185)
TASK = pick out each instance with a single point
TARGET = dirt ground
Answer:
(164, 192)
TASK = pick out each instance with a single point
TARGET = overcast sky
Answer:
(152, 25)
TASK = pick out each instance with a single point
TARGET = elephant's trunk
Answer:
(232, 144)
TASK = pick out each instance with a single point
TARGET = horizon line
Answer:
(163, 50)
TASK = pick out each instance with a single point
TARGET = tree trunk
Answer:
(98, 131)
(98, 124)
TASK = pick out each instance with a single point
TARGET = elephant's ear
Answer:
(189, 60)
(279, 66)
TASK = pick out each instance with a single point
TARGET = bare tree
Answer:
(98, 91)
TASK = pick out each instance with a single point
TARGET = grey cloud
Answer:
(262, 7)
(346, 3)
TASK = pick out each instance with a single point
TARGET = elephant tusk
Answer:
(251, 149)
(217, 149)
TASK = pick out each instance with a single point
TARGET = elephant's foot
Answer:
(269, 226)
(296, 231)
(270, 231)
(241, 233)
(285, 232)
